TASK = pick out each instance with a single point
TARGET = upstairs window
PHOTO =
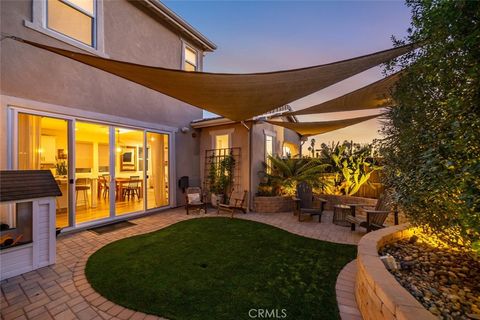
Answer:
(190, 63)
(75, 19)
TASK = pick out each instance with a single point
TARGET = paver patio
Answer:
(61, 291)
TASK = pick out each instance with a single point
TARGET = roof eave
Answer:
(205, 123)
(176, 21)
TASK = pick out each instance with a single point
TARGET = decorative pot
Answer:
(216, 199)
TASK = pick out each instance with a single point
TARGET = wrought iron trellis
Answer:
(214, 157)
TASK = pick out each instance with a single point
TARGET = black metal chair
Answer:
(304, 202)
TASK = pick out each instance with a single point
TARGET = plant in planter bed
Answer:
(350, 166)
(281, 175)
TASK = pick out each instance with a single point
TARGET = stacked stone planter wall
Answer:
(334, 200)
(378, 294)
(273, 204)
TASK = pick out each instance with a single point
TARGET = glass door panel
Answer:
(92, 177)
(129, 171)
(156, 164)
(43, 144)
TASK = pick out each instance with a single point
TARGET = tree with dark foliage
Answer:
(432, 135)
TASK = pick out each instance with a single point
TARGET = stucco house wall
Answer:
(258, 147)
(252, 157)
(131, 33)
(240, 140)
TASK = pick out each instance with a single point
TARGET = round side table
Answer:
(340, 212)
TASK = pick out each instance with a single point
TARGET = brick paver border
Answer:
(345, 291)
(61, 291)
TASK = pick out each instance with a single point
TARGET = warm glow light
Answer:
(432, 240)
(152, 139)
(40, 150)
(119, 149)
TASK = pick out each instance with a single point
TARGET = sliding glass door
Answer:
(156, 159)
(129, 171)
(107, 171)
(92, 172)
(43, 145)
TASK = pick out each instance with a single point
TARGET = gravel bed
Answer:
(446, 282)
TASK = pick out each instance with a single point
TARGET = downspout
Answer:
(250, 197)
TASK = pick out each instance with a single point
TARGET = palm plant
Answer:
(283, 174)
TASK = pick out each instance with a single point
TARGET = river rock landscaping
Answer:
(446, 282)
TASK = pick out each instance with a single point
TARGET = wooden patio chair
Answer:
(375, 217)
(195, 199)
(235, 204)
(304, 202)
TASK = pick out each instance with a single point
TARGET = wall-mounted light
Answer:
(185, 129)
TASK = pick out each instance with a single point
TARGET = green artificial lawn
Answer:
(220, 268)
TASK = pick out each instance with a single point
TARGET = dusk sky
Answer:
(268, 36)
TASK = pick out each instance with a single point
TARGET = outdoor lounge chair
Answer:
(195, 199)
(234, 204)
(375, 218)
(304, 202)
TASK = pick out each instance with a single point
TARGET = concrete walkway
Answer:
(61, 291)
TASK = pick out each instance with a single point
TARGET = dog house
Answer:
(27, 221)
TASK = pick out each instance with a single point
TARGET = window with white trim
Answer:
(78, 23)
(268, 151)
(191, 59)
(75, 19)
(287, 152)
(222, 141)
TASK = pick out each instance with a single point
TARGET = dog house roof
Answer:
(27, 184)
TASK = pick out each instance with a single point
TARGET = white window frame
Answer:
(215, 133)
(199, 61)
(12, 146)
(39, 23)
(283, 149)
(272, 134)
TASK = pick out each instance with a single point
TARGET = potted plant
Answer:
(220, 177)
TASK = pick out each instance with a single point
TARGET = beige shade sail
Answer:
(375, 95)
(234, 96)
(314, 128)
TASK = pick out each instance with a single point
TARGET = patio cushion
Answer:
(194, 198)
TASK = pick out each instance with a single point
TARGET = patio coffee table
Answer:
(340, 212)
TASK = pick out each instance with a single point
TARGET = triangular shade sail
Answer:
(314, 128)
(375, 95)
(235, 96)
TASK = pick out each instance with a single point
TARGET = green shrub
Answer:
(432, 144)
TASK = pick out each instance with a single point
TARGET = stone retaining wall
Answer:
(378, 294)
(273, 204)
(333, 200)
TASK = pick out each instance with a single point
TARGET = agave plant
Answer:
(283, 174)
(351, 166)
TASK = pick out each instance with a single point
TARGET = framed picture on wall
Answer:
(128, 159)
